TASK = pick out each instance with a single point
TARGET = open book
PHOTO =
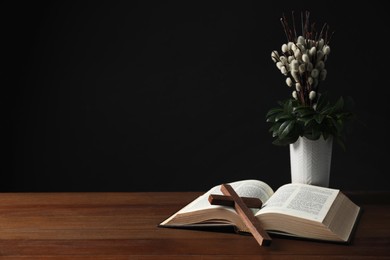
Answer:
(298, 210)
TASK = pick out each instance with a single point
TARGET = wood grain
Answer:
(124, 226)
(216, 199)
(252, 223)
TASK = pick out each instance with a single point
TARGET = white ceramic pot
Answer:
(310, 161)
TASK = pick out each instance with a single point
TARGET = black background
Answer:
(172, 96)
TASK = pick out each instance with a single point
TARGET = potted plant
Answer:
(308, 121)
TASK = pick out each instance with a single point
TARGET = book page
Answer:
(301, 200)
(244, 188)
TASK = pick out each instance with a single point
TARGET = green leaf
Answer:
(309, 122)
(322, 101)
(288, 106)
(271, 119)
(327, 111)
(314, 135)
(282, 117)
(286, 128)
(338, 124)
(307, 112)
(303, 119)
(274, 127)
(319, 118)
(299, 109)
(339, 105)
(273, 112)
(291, 120)
(285, 141)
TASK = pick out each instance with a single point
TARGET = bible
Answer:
(298, 210)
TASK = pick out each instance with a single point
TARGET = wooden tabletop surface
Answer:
(124, 226)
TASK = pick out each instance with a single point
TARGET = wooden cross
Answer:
(231, 198)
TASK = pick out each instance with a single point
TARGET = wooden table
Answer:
(124, 226)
